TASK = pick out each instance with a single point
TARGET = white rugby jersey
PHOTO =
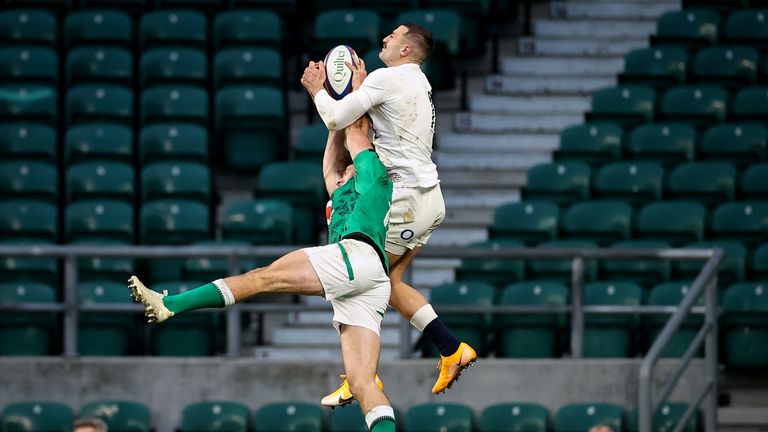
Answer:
(399, 101)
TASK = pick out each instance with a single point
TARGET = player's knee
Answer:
(261, 277)
(360, 383)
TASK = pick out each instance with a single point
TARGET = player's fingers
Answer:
(351, 66)
(362, 64)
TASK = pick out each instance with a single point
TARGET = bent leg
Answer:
(291, 273)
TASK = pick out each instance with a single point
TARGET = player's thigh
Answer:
(415, 213)
(292, 273)
(360, 348)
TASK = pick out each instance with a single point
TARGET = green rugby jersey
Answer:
(361, 205)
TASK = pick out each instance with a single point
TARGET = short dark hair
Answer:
(92, 422)
(421, 37)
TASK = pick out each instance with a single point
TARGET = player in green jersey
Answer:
(350, 272)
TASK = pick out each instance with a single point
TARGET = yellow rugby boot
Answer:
(154, 308)
(342, 396)
(452, 366)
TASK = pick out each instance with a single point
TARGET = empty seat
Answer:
(173, 65)
(646, 272)
(560, 270)
(28, 26)
(311, 143)
(98, 27)
(744, 326)
(37, 416)
(100, 180)
(660, 66)
(180, 103)
(29, 64)
(730, 66)
(531, 336)
(28, 269)
(357, 28)
(447, 27)
(472, 328)
(699, 105)
(579, 417)
(709, 183)
(677, 222)
(672, 294)
(671, 142)
(27, 333)
(754, 182)
(92, 142)
(347, 420)
(105, 333)
(176, 180)
(732, 267)
(691, 28)
(666, 418)
(747, 27)
(99, 219)
(495, 271)
(593, 143)
(258, 221)
(176, 141)
(283, 7)
(31, 102)
(254, 65)
(211, 268)
(634, 182)
(100, 64)
(512, 417)
(29, 179)
(189, 335)
(102, 102)
(23, 140)
(602, 221)
(529, 222)
(99, 268)
(198, 5)
(750, 104)
(740, 143)
(247, 28)
(288, 416)
(372, 60)
(215, 416)
(119, 414)
(133, 6)
(627, 105)
(28, 219)
(745, 221)
(610, 335)
(563, 182)
(174, 222)
(465, 7)
(179, 27)
(759, 264)
(436, 417)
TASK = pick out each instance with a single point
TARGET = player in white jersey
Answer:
(398, 100)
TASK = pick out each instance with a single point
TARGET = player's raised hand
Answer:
(313, 77)
(358, 73)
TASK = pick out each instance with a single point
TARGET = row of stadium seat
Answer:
(723, 6)
(231, 416)
(697, 28)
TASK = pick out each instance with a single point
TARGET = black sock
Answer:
(441, 337)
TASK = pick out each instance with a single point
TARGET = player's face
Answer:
(349, 172)
(392, 45)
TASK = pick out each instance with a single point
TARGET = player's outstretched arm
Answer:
(335, 160)
(357, 136)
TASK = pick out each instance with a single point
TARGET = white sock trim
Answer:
(422, 317)
(226, 293)
(378, 412)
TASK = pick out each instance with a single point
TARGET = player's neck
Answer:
(402, 61)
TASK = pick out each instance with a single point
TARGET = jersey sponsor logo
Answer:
(406, 234)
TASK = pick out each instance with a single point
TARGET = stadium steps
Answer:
(578, 46)
(538, 67)
(546, 85)
(606, 10)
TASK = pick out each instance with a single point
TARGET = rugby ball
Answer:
(338, 77)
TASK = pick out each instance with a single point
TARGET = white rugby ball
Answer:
(338, 77)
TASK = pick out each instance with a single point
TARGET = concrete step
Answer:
(313, 354)
(468, 178)
(577, 46)
(512, 143)
(529, 104)
(499, 123)
(540, 67)
(478, 198)
(324, 337)
(320, 319)
(449, 236)
(512, 85)
(593, 29)
(428, 272)
(620, 10)
(488, 160)
(743, 419)
(475, 217)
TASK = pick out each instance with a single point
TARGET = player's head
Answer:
(408, 43)
(90, 424)
(349, 172)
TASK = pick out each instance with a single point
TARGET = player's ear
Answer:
(407, 50)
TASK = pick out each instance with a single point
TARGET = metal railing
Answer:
(705, 282)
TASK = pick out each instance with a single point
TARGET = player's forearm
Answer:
(335, 159)
(338, 114)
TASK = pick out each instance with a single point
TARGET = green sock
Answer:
(385, 425)
(206, 296)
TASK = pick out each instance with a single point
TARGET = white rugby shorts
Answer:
(415, 213)
(354, 281)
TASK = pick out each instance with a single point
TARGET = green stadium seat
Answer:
(180, 103)
(29, 64)
(176, 180)
(628, 105)
(699, 105)
(91, 142)
(358, 28)
(744, 326)
(99, 64)
(677, 222)
(672, 294)
(564, 182)
(26, 333)
(301, 184)
(745, 221)
(579, 417)
(385, 7)
(721, 6)
(440, 417)
(739, 143)
(602, 221)
(754, 182)
(197, 5)
(173, 65)
(643, 272)
(448, 27)
(514, 417)
(750, 104)
(759, 264)
(529, 222)
(28, 219)
(251, 121)
(372, 60)
(132, 6)
(37, 416)
(666, 419)
(498, 272)
(559, 270)
(119, 415)
(28, 26)
(99, 219)
(30, 102)
(311, 143)
(347, 420)
(104, 333)
(666, 143)
(205, 268)
(98, 268)
(100, 180)
(593, 143)
(215, 416)
(709, 183)
(729, 66)
(609, 336)
(660, 67)
(732, 269)
(287, 417)
(98, 27)
(260, 66)
(22, 140)
(28, 269)
(174, 222)
(694, 28)
(747, 27)
(268, 221)
(474, 327)
(29, 179)
(190, 335)
(636, 183)
(179, 27)
(173, 141)
(283, 7)
(247, 28)
(467, 7)
(531, 336)
(102, 102)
